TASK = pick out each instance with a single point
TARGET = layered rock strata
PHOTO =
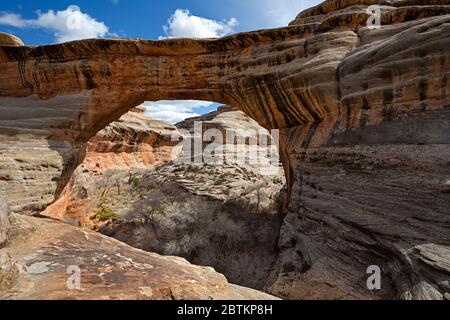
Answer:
(133, 144)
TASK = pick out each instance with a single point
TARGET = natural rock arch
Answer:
(75, 89)
(302, 75)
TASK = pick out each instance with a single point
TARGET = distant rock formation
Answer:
(363, 115)
(132, 144)
(241, 140)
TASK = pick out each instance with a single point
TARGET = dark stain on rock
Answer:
(364, 110)
(423, 86)
(87, 74)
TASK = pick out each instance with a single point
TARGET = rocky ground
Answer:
(37, 262)
(225, 218)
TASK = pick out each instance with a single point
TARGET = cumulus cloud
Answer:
(182, 24)
(12, 19)
(175, 111)
(67, 25)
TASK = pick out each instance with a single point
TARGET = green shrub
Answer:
(134, 181)
(105, 214)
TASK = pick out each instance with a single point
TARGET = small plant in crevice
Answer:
(104, 214)
(220, 180)
(151, 188)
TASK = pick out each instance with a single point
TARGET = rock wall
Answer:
(364, 115)
(229, 136)
(370, 185)
(133, 144)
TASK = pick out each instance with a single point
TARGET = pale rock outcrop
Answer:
(224, 215)
(232, 137)
(4, 221)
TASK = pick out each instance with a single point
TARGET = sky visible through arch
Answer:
(46, 21)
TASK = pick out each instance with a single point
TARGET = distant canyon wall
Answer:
(364, 118)
(133, 144)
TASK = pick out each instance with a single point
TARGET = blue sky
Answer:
(44, 22)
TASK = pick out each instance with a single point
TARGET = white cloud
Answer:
(12, 19)
(182, 24)
(174, 111)
(67, 25)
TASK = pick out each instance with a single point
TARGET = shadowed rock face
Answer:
(364, 116)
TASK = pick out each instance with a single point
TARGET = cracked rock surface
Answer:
(38, 261)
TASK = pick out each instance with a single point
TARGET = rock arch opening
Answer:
(136, 184)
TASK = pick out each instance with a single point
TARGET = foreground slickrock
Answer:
(364, 118)
(43, 254)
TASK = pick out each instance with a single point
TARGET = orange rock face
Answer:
(131, 144)
(364, 119)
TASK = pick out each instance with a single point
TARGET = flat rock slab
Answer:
(43, 258)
